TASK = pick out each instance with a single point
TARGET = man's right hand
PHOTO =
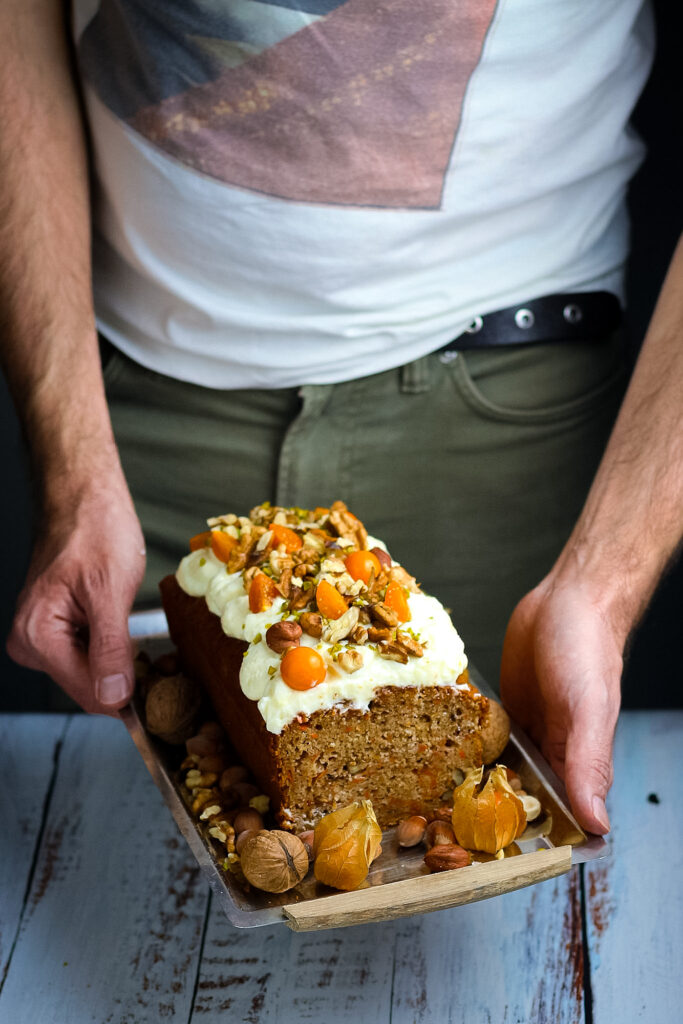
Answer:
(72, 615)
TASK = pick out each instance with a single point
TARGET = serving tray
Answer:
(398, 884)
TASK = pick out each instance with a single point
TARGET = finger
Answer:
(44, 640)
(588, 762)
(110, 655)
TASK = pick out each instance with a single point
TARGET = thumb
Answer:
(588, 765)
(110, 656)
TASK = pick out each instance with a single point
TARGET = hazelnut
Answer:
(439, 833)
(240, 794)
(382, 556)
(212, 729)
(495, 733)
(247, 821)
(307, 839)
(211, 763)
(274, 861)
(312, 623)
(411, 831)
(281, 636)
(242, 838)
(445, 858)
(167, 664)
(202, 745)
(441, 814)
(235, 773)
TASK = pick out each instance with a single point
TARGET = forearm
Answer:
(633, 517)
(49, 341)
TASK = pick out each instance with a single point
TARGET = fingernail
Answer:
(600, 812)
(112, 689)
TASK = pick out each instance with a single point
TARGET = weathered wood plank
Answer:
(28, 744)
(515, 958)
(635, 896)
(116, 910)
(270, 975)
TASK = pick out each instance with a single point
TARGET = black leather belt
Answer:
(576, 316)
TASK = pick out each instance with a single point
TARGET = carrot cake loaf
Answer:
(334, 675)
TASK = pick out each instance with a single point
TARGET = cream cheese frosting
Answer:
(202, 574)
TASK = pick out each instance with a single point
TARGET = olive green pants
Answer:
(473, 469)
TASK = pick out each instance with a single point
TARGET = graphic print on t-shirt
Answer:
(344, 102)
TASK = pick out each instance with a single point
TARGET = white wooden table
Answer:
(104, 916)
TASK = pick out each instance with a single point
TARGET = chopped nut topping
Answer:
(410, 644)
(359, 635)
(350, 661)
(383, 614)
(312, 623)
(393, 651)
(337, 629)
(376, 635)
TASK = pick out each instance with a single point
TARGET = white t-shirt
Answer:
(308, 191)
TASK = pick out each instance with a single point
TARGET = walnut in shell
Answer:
(172, 707)
(273, 860)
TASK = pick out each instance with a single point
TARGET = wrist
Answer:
(616, 583)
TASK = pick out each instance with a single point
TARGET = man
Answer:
(324, 237)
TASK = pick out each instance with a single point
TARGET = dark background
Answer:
(654, 676)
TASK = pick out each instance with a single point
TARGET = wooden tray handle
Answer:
(428, 892)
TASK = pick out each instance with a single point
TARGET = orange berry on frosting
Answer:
(396, 599)
(330, 602)
(361, 565)
(283, 535)
(222, 544)
(302, 668)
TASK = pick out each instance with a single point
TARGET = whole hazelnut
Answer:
(247, 820)
(274, 861)
(282, 636)
(445, 858)
(203, 746)
(441, 814)
(212, 729)
(383, 557)
(167, 664)
(411, 831)
(439, 833)
(211, 763)
(235, 773)
(307, 839)
(241, 840)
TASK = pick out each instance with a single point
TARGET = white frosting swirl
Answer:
(201, 574)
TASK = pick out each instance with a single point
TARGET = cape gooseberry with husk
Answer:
(345, 843)
(488, 819)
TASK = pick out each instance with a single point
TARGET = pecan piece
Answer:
(312, 623)
(359, 635)
(237, 560)
(299, 598)
(392, 651)
(383, 614)
(398, 573)
(377, 636)
(410, 645)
